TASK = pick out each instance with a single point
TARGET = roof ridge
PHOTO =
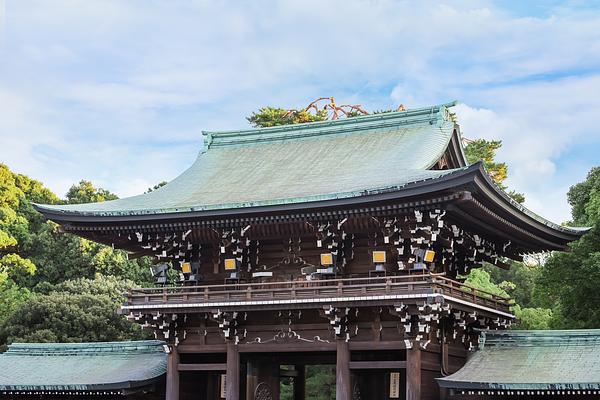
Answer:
(432, 115)
(528, 338)
(36, 349)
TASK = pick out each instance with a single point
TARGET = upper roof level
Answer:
(330, 166)
(299, 163)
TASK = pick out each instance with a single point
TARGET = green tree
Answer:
(46, 275)
(480, 279)
(568, 281)
(16, 191)
(73, 311)
(528, 317)
(485, 151)
(11, 296)
(85, 192)
(157, 186)
(583, 198)
(272, 116)
(320, 382)
(532, 318)
(522, 275)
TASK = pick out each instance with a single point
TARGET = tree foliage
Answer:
(157, 186)
(568, 281)
(532, 318)
(81, 310)
(480, 279)
(16, 220)
(485, 151)
(584, 199)
(273, 116)
(559, 291)
(34, 255)
(85, 192)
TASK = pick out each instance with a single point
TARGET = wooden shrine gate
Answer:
(388, 337)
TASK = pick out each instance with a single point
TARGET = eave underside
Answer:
(469, 197)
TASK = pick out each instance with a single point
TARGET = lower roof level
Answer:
(561, 362)
(106, 368)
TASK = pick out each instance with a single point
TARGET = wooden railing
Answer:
(327, 288)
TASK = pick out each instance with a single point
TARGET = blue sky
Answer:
(118, 92)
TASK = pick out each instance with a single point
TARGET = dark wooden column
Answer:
(251, 379)
(264, 372)
(413, 373)
(343, 386)
(232, 381)
(172, 389)
(300, 382)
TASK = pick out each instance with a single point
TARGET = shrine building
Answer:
(340, 242)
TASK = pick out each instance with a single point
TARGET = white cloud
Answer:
(117, 98)
(117, 92)
(539, 123)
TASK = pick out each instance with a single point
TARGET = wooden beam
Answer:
(377, 364)
(288, 373)
(343, 386)
(383, 345)
(287, 348)
(203, 367)
(300, 383)
(198, 348)
(413, 373)
(172, 388)
(232, 382)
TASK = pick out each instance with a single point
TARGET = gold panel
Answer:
(379, 257)
(326, 259)
(429, 255)
(186, 268)
(230, 263)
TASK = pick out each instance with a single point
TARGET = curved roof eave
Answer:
(447, 180)
(508, 205)
(483, 188)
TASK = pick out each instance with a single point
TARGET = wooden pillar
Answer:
(232, 381)
(300, 382)
(343, 386)
(172, 389)
(251, 379)
(413, 373)
(212, 385)
(263, 371)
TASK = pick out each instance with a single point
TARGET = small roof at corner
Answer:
(82, 367)
(531, 360)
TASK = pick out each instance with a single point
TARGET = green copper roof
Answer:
(532, 360)
(81, 366)
(297, 163)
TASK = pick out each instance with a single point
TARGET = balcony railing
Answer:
(327, 288)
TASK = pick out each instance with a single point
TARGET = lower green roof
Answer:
(531, 360)
(106, 366)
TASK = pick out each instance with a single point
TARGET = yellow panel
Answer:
(230, 263)
(379, 257)
(326, 259)
(429, 255)
(186, 268)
